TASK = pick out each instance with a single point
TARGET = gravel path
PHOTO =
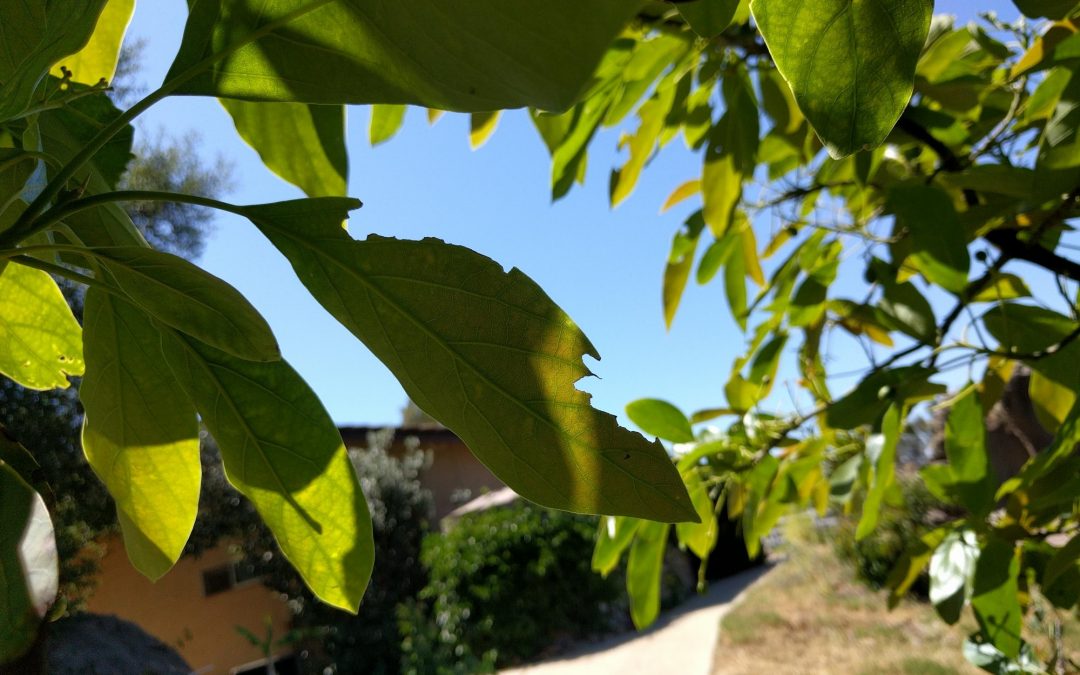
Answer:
(681, 642)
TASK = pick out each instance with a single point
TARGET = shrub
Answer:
(505, 584)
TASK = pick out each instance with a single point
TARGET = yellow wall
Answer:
(202, 629)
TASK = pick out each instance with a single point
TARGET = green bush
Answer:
(504, 585)
(900, 524)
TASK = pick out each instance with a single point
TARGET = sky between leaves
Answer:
(603, 266)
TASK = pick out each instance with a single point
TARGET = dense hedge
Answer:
(504, 585)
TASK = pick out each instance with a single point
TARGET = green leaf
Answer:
(642, 142)
(1048, 9)
(140, 433)
(29, 569)
(716, 255)
(708, 18)
(952, 571)
(283, 452)
(969, 461)
(911, 565)
(36, 34)
(660, 418)
(612, 538)
(995, 596)
(370, 51)
(731, 156)
(438, 314)
(386, 121)
(866, 403)
(643, 571)
(303, 144)
(698, 537)
(938, 242)
(882, 449)
(1057, 168)
(40, 340)
(850, 64)
(65, 131)
(735, 288)
(481, 126)
(1003, 286)
(1067, 558)
(1026, 329)
(680, 262)
(905, 307)
(97, 60)
(186, 297)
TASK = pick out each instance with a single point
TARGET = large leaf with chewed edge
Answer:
(140, 433)
(464, 56)
(851, 64)
(40, 340)
(484, 351)
(304, 144)
(29, 572)
(97, 60)
(283, 452)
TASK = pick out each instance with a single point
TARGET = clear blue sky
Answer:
(602, 266)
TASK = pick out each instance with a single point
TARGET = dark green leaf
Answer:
(370, 51)
(870, 398)
(283, 452)
(140, 433)
(436, 313)
(995, 596)
(304, 144)
(938, 242)
(40, 340)
(1067, 558)
(28, 564)
(660, 418)
(36, 34)
(643, 572)
(708, 18)
(731, 156)
(481, 126)
(66, 130)
(851, 64)
(1024, 329)
(1048, 9)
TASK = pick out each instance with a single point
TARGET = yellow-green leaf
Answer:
(283, 452)
(680, 262)
(481, 126)
(881, 448)
(851, 64)
(140, 433)
(699, 537)
(1003, 287)
(304, 144)
(643, 572)
(661, 419)
(40, 340)
(386, 121)
(681, 193)
(484, 351)
(614, 536)
(97, 60)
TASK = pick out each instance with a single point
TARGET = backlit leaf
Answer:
(370, 51)
(966, 449)
(938, 242)
(680, 262)
(140, 433)
(614, 536)
(438, 314)
(40, 340)
(1027, 329)
(994, 596)
(698, 537)
(708, 18)
(851, 64)
(660, 418)
(1003, 287)
(97, 60)
(681, 193)
(730, 157)
(481, 126)
(386, 121)
(643, 572)
(884, 467)
(282, 451)
(304, 144)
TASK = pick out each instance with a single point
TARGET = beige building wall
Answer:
(175, 610)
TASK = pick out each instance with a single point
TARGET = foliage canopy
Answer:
(895, 145)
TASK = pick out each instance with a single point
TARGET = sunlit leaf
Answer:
(850, 64)
(641, 143)
(36, 34)
(40, 340)
(681, 193)
(911, 565)
(369, 51)
(952, 572)
(97, 60)
(660, 418)
(730, 157)
(436, 313)
(282, 451)
(386, 121)
(643, 572)
(699, 537)
(994, 596)
(881, 448)
(1003, 287)
(304, 144)
(481, 126)
(614, 536)
(938, 242)
(680, 262)
(29, 569)
(968, 454)
(140, 433)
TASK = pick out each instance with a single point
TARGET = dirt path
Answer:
(682, 641)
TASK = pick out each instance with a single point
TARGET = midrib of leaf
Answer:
(251, 438)
(374, 288)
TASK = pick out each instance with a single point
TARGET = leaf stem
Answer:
(58, 270)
